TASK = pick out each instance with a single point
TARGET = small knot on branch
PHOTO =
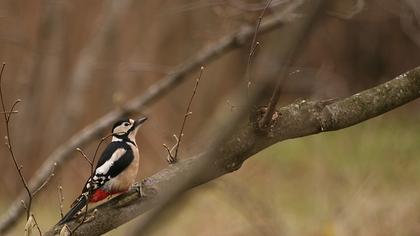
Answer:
(266, 119)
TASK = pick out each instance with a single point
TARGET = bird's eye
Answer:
(126, 124)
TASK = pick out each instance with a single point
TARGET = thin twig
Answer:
(170, 155)
(270, 115)
(44, 184)
(174, 158)
(86, 158)
(9, 112)
(24, 204)
(92, 162)
(254, 45)
(92, 169)
(86, 196)
(12, 109)
(97, 149)
(36, 225)
(60, 199)
(7, 115)
(188, 112)
(271, 107)
(9, 143)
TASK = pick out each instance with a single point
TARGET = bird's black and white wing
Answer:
(115, 159)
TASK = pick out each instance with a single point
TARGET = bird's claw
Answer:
(138, 187)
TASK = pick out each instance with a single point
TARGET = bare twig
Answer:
(174, 158)
(96, 151)
(23, 204)
(92, 169)
(60, 199)
(43, 184)
(271, 107)
(36, 225)
(255, 44)
(299, 30)
(171, 157)
(86, 196)
(9, 143)
(156, 91)
(9, 112)
(7, 116)
(86, 158)
(12, 109)
(92, 162)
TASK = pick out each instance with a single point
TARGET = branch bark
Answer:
(155, 92)
(295, 120)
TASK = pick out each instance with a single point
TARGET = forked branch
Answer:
(173, 157)
(7, 115)
(30, 218)
(255, 44)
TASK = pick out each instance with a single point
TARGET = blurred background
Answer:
(73, 61)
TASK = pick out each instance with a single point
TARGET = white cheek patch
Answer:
(122, 128)
(119, 129)
(104, 168)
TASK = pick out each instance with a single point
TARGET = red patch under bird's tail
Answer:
(82, 200)
(99, 195)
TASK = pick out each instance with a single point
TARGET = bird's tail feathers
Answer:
(77, 205)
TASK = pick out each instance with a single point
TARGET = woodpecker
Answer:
(116, 169)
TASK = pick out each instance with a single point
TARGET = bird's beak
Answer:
(140, 121)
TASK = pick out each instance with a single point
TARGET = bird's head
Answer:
(127, 128)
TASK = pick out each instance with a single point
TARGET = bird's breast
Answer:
(126, 178)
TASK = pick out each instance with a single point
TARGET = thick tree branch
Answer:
(227, 128)
(296, 120)
(155, 92)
